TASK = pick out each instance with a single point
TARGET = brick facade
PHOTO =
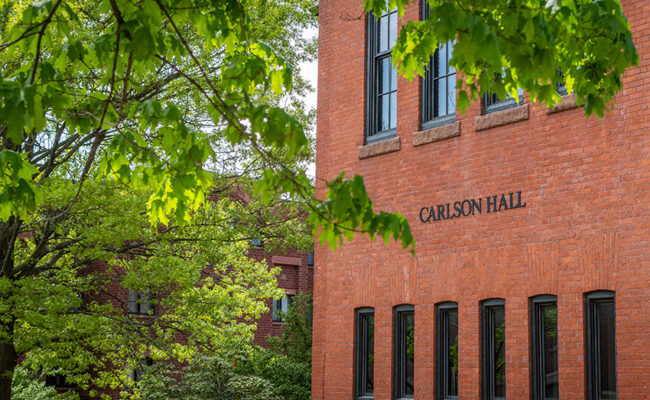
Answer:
(296, 277)
(585, 227)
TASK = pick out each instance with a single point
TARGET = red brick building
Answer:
(297, 276)
(532, 273)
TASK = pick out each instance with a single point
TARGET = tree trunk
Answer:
(8, 357)
(8, 361)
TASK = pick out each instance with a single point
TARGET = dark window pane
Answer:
(452, 354)
(393, 76)
(499, 320)
(409, 353)
(551, 389)
(606, 323)
(370, 353)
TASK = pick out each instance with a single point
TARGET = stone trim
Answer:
(282, 260)
(568, 103)
(383, 147)
(499, 118)
(436, 134)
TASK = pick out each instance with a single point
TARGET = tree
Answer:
(97, 128)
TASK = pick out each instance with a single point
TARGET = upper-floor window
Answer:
(447, 350)
(139, 302)
(600, 340)
(438, 85)
(381, 79)
(365, 353)
(561, 86)
(493, 349)
(492, 102)
(544, 346)
(404, 352)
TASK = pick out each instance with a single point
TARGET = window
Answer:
(280, 307)
(447, 350)
(58, 380)
(544, 348)
(561, 86)
(493, 327)
(139, 302)
(381, 77)
(439, 85)
(138, 372)
(600, 340)
(310, 259)
(365, 353)
(492, 103)
(404, 352)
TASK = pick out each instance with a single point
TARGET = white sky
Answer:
(309, 71)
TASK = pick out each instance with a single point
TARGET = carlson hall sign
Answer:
(467, 207)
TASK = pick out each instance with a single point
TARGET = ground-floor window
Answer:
(404, 352)
(447, 350)
(600, 340)
(544, 348)
(365, 352)
(493, 327)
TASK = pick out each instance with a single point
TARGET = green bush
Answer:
(26, 385)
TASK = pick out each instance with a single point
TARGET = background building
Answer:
(532, 273)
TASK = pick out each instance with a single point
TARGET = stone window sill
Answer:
(568, 103)
(379, 148)
(436, 134)
(499, 118)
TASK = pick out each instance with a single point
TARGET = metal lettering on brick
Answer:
(467, 207)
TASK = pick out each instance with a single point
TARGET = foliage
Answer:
(290, 379)
(27, 386)
(295, 342)
(251, 374)
(505, 45)
(205, 378)
(70, 318)
(112, 111)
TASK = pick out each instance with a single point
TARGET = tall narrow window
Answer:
(365, 353)
(447, 350)
(439, 85)
(600, 340)
(493, 326)
(381, 77)
(404, 352)
(544, 348)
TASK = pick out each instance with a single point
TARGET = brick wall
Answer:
(295, 277)
(586, 225)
